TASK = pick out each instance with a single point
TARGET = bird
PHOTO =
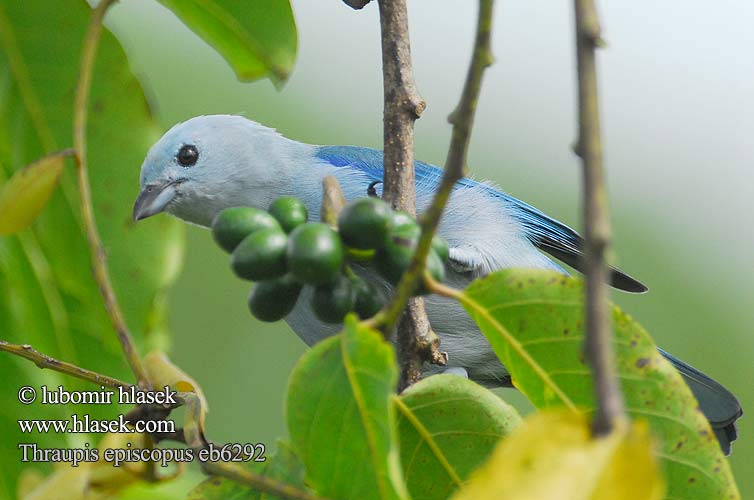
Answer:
(209, 163)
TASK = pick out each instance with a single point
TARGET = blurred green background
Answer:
(677, 119)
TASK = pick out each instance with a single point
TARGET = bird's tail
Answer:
(718, 404)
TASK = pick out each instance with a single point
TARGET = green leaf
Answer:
(340, 417)
(256, 38)
(447, 427)
(28, 191)
(219, 488)
(284, 466)
(553, 455)
(48, 297)
(534, 321)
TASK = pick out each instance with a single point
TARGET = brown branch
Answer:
(99, 259)
(44, 361)
(402, 106)
(597, 232)
(425, 347)
(258, 482)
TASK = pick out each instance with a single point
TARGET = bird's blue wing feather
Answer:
(537, 225)
(543, 231)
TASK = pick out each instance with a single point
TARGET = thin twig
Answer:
(258, 482)
(462, 119)
(193, 437)
(44, 361)
(99, 259)
(597, 232)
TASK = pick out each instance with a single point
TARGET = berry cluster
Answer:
(283, 252)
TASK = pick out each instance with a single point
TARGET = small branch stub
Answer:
(333, 201)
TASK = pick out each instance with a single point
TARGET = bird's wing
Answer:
(562, 242)
(718, 404)
(542, 231)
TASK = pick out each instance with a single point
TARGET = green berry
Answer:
(368, 300)
(261, 255)
(436, 269)
(315, 254)
(232, 225)
(435, 266)
(394, 258)
(401, 218)
(272, 300)
(333, 301)
(364, 223)
(289, 212)
(440, 247)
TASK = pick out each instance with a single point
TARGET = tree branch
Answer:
(597, 231)
(99, 259)
(402, 106)
(44, 361)
(462, 118)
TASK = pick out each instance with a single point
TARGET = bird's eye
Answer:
(187, 155)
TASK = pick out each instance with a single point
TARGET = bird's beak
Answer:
(153, 199)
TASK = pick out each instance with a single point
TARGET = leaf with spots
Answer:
(533, 320)
(447, 427)
(340, 416)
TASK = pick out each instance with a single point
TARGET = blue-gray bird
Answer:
(209, 163)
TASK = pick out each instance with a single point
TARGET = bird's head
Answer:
(208, 163)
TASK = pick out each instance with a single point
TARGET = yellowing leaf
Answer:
(98, 480)
(553, 456)
(162, 372)
(28, 191)
(70, 483)
(183, 386)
